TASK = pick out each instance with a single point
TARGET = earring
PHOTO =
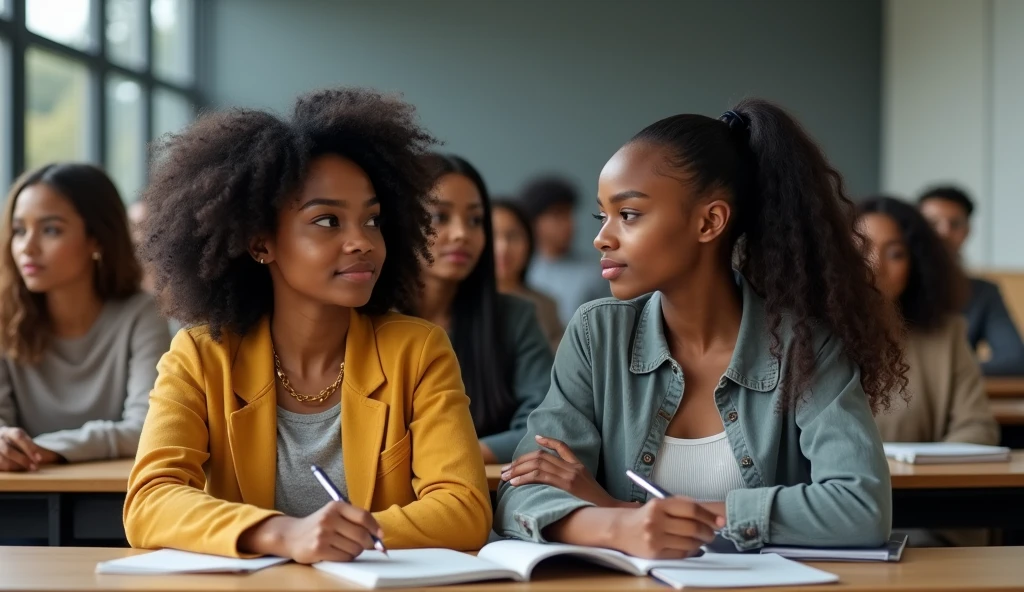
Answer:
(96, 256)
(261, 260)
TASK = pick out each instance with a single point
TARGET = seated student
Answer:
(513, 250)
(80, 341)
(949, 210)
(289, 241)
(748, 394)
(914, 270)
(570, 279)
(504, 357)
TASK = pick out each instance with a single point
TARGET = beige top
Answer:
(948, 401)
(547, 314)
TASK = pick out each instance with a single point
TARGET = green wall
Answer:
(529, 86)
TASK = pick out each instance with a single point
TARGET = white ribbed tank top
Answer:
(703, 469)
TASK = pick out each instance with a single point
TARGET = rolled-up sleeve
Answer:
(566, 414)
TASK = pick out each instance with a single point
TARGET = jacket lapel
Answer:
(252, 430)
(363, 419)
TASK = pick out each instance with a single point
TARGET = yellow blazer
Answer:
(206, 464)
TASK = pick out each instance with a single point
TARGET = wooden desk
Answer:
(1008, 411)
(105, 476)
(65, 504)
(960, 476)
(493, 476)
(71, 569)
(1004, 387)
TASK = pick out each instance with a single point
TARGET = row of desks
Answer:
(82, 502)
(112, 476)
(25, 569)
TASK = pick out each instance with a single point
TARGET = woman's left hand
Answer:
(562, 470)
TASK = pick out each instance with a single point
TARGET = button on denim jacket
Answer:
(815, 475)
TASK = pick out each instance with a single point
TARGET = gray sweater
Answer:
(88, 397)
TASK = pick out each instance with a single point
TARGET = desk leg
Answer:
(59, 520)
(53, 520)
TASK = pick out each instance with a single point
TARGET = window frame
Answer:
(19, 38)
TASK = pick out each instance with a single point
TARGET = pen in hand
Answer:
(654, 490)
(337, 496)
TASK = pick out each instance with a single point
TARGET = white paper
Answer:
(170, 561)
(750, 570)
(932, 452)
(414, 567)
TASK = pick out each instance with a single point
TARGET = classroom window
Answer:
(64, 21)
(100, 80)
(172, 39)
(57, 105)
(126, 135)
(171, 112)
(126, 33)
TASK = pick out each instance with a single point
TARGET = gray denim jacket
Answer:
(815, 476)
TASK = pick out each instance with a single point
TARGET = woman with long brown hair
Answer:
(79, 340)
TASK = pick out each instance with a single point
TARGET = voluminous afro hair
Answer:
(222, 181)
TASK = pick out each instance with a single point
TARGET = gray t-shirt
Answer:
(304, 440)
(87, 397)
(572, 280)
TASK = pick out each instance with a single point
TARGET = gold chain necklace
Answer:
(287, 384)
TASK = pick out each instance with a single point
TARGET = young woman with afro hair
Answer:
(284, 244)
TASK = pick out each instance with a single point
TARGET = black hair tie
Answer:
(735, 121)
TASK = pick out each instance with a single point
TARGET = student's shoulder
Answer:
(395, 329)
(138, 305)
(984, 291)
(611, 312)
(515, 308)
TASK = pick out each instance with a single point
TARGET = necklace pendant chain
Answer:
(324, 394)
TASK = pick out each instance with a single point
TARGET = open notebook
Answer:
(169, 561)
(922, 453)
(500, 560)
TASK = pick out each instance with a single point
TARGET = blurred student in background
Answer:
(80, 340)
(949, 210)
(914, 270)
(569, 278)
(503, 355)
(513, 250)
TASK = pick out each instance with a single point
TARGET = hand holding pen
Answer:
(332, 490)
(666, 527)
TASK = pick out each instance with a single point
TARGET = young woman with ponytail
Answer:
(738, 366)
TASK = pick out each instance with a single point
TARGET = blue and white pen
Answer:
(332, 490)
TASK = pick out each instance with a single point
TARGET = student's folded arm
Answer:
(1000, 333)
(104, 439)
(453, 508)
(566, 414)
(849, 499)
(533, 359)
(166, 505)
(970, 418)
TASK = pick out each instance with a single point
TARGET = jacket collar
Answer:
(752, 365)
(252, 428)
(252, 371)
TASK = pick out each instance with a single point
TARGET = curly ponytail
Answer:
(792, 237)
